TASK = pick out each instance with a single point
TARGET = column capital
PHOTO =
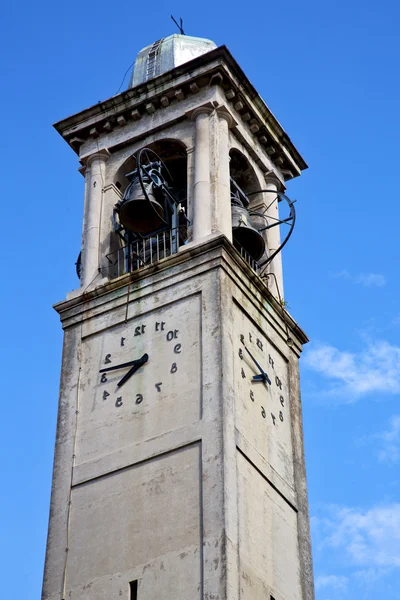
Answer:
(205, 109)
(102, 154)
(272, 179)
(223, 113)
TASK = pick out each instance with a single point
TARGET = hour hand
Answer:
(121, 366)
(263, 378)
(135, 367)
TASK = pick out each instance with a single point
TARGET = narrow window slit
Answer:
(133, 590)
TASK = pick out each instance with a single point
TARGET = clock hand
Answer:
(121, 366)
(264, 377)
(261, 378)
(136, 366)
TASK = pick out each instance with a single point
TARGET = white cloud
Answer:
(365, 279)
(376, 368)
(368, 279)
(361, 549)
(367, 577)
(389, 441)
(335, 582)
(367, 539)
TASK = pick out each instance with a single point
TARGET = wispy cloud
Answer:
(366, 539)
(388, 441)
(365, 279)
(334, 582)
(367, 577)
(376, 368)
(360, 548)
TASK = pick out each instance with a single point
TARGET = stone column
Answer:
(223, 215)
(110, 243)
(91, 248)
(273, 235)
(202, 206)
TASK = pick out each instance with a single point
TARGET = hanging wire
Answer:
(289, 339)
(123, 79)
(291, 219)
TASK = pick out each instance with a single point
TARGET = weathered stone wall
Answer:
(179, 479)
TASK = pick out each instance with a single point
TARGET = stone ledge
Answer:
(215, 247)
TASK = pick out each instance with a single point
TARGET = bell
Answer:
(138, 213)
(245, 235)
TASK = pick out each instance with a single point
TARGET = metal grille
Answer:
(143, 252)
(148, 251)
(246, 256)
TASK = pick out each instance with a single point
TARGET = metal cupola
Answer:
(166, 54)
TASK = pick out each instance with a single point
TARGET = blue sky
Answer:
(329, 72)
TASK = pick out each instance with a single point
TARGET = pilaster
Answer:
(202, 206)
(222, 196)
(92, 237)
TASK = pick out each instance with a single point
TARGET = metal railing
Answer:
(148, 251)
(246, 256)
(143, 252)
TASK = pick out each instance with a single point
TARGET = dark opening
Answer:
(242, 172)
(173, 154)
(133, 590)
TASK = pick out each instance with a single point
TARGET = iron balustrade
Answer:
(143, 252)
(246, 256)
(147, 251)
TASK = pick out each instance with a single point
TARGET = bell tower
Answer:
(179, 468)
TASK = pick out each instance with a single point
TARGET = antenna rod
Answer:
(180, 27)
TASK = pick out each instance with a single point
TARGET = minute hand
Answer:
(136, 366)
(263, 374)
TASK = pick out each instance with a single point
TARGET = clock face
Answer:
(140, 379)
(262, 394)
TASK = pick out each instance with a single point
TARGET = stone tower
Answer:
(179, 468)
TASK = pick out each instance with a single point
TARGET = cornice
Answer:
(215, 68)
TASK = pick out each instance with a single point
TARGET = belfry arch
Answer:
(172, 152)
(243, 173)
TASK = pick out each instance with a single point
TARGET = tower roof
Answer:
(166, 54)
(213, 70)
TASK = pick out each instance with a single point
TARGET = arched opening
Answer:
(173, 154)
(243, 173)
(150, 219)
(244, 187)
